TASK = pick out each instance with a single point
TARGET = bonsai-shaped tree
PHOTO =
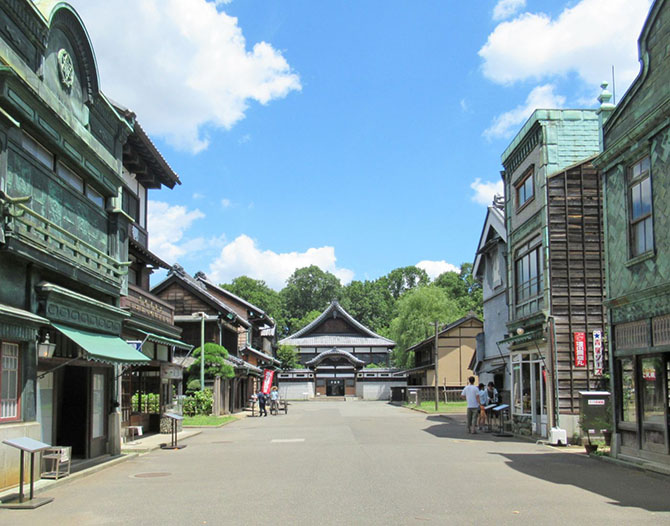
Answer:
(215, 363)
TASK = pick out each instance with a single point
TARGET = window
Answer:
(130, 205)
(528, 275)
(640, 202)
(9, 382)
(70, 177)
(525, 189)
(38, 151)
(652, 392)
(627, 394)
(95, 196)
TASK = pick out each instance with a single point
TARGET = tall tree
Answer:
(370, 302)
(256, 291)
(416, 311)
(463, 288)
(404, 279)
(308, 289)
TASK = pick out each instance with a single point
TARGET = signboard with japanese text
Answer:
(268, 376)
(598, 353)
(580, 349)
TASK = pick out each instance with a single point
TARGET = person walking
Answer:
(274, 401)
(471, 394)
(262, 398)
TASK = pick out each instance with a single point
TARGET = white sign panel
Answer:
(598, 353)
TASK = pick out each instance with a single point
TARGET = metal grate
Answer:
(661, 330)
(633, 335)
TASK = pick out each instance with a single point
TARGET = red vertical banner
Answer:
(268, 376)
(580, 349)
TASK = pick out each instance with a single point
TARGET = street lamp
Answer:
(202, 317)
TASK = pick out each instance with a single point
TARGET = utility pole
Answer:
(437, 383)
(202, 316)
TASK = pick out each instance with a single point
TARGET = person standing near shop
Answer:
(262, 398)
(470, 393)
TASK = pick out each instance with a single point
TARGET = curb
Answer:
(644, 468)
(212, 427)
(153, 447)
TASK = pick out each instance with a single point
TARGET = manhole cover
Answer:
(151, 475)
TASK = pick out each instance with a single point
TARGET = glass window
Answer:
(130, 205)
(38, 151)
(653, 396)
(516, 385)
(627, 395)
(640, 197)
(94, 196)
(528, 275)
(525, 189)
(98, 423)
(70, 177)
(9, 381)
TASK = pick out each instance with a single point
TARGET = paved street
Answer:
(355, 463)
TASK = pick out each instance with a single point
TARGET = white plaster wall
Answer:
(377, 390)
(296, 390)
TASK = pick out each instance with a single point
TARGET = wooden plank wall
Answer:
(576, 270)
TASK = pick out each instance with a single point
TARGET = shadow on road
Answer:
(453, 426)
(625, 487)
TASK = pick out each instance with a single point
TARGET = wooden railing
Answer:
(36, 230)
(142, 302)
(138, 234)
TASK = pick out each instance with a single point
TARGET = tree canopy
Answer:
(215, 363)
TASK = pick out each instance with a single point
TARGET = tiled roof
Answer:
(328, 340)
(335, 352)
(261, 354)
(333, 310)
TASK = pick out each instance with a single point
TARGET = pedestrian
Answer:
(471, 394)
(492, 393)
(261, 404)
(483, 402)
(274, 400)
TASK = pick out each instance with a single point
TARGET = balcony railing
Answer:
(31, 228)
(141, 302)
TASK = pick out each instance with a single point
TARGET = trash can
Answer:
(413, 396)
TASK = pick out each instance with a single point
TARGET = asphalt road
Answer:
(355, 463)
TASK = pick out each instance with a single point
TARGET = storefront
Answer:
(529, 394)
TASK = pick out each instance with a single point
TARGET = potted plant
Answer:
(595, 426)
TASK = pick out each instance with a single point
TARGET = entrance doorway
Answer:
(334, 387)
(72, 410)
(529, 392)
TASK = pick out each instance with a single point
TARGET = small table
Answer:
(29, 445)
(134, 432)
(502, 409)
(174, 418)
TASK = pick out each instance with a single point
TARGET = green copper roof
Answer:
(103, 347)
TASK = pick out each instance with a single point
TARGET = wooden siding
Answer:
(184, 302)
(576, 271)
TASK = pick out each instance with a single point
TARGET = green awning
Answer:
(523, 338)
(156, 338)
(103, 347)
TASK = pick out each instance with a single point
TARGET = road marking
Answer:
(286, 440)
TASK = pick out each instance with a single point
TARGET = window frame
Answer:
(535, 289)
(16, 418)
(520, 186)
(634, 181)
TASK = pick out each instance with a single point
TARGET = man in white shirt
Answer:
(471, 394)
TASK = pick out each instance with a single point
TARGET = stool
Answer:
(57, 460)
(134, 432)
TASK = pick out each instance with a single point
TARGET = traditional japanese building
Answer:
(456, 349)
(63, 238)
(555, 268)
(491, 361)
(336, 348)
(635, 166)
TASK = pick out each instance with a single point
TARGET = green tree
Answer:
(215, 363)
(404, 279)
(308, 289)
(288, 355)
(298, 323)
(369, 302)
(463, 288)
(257, 292)
(416, 311)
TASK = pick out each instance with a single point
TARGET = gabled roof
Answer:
(177, 274)
(493, 224)
(335, 309)
(335, 352)
(447, 328)
(261, 354)
(262, 316)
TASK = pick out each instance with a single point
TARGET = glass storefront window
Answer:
(653, 396)
(525, 387)
(627, 394)
(516, 383)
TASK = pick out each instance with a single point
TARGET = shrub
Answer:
(199, 403)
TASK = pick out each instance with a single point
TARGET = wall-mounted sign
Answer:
(580, 349)
(171, 372)
(649, 374)
(598, 353)
(596, 402)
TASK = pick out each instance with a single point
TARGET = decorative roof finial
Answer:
(177, 269)
(605, 97)
(499, 201)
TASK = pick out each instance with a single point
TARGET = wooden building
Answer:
(553, 214)
(63, 238)
(635, 166)
(336, 348)
(196, 302)
(457, 342)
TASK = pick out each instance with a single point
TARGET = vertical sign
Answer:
(580, 349)
(598, 353)
(268, 375)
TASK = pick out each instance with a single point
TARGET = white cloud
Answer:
(243, 257)
(225, 202)
(182, 65)
(541, 97)
(485, 191)
(167, 225)
(464, 105)
(586, 39)
(197, 195)
(435, 268)
(506, 8)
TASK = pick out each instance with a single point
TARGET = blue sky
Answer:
(358, 136)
